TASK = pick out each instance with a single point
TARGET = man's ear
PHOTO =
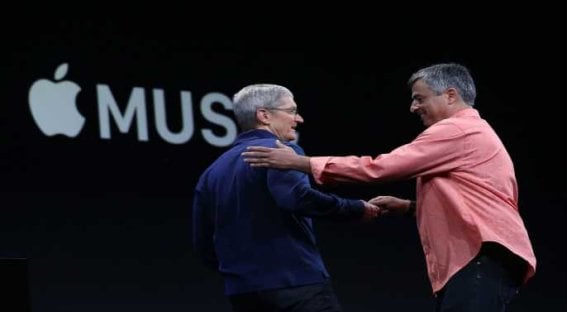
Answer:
(452, 95)
(263, 116)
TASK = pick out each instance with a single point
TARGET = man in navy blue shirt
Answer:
(254, 225)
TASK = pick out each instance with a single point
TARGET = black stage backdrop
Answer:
(97, 188)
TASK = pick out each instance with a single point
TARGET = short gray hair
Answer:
(440, 77)
(250, 98)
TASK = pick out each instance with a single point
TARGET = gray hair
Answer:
(440, 77)
(250, 98)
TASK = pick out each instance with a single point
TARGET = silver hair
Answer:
(250, 98)
(440, 77)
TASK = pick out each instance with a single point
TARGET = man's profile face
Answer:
(284, 120)
(429, 106)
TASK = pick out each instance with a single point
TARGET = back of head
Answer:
(250, 98)
(440, 77)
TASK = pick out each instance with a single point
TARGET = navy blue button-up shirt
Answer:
(254, 224)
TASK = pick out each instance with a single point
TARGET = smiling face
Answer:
(283, 119)
(428, 105)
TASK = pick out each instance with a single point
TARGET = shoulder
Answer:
(271, 142)
(298, 149)
(448, 127)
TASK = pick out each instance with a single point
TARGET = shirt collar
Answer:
(253, 135)
(467, 112)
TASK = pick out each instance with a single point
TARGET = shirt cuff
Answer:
(317, 167)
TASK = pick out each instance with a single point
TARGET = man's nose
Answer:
(413, 107)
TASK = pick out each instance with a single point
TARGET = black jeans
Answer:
(309, 298)
(487, 284)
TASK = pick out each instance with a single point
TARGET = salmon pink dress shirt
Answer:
(466, 191)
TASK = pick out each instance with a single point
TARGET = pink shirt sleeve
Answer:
(439, 148)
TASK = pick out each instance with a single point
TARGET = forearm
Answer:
(302, 163)
(292, 191)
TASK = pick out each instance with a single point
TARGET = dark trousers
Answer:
(487, 284)
(308, 298)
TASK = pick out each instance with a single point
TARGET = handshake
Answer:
(387, 205)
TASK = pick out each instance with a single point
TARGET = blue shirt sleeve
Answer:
(292, 191)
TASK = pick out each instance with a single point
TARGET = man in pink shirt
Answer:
(477, 249)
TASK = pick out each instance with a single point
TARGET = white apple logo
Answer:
(53, 105)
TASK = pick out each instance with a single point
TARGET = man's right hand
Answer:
(391, 205)
(371, 212)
